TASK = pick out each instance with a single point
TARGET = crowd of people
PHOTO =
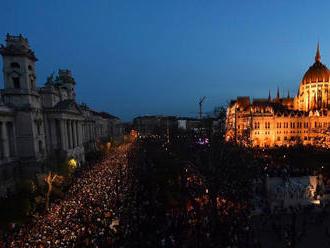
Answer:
(87, 216)
(153, 193)
(209, 215)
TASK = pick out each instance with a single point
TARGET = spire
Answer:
(288, 94)
(318, 56)
(269, 98)
(278, 93)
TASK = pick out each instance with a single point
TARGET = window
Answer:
(285, 138)
(30, 68)
(257, 125)
(267, 125)
(278, 138)
(14, 65)
(16, 82)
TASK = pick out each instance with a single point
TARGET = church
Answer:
(285, 121)
(36, 122)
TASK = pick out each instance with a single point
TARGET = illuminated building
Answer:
(303, 119)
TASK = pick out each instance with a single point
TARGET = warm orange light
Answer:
(316, 202)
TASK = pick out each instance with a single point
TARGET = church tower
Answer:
(19, 72)
(68, 83)
(21, 93)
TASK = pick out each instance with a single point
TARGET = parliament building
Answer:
(284, 121)
(36, 122)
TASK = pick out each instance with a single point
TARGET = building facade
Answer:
(162, 124)
(303, 119)
(37, 121)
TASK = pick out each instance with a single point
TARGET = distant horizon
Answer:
(159, 58)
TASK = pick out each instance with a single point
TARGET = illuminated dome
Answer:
(317, 72)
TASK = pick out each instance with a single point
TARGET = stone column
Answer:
(74, 128)
(62, 131)
(69, 134)
(5, 141)
(83, 132)
(72, 134)
(82, 129)
(78, 133)
(66, 135)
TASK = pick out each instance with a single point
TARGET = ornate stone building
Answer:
(37, 121)
(303, 119)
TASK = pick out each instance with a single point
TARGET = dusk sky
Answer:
(137, 57)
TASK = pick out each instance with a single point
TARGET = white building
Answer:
(36, 122)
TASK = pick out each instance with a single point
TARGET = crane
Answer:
(200, 106)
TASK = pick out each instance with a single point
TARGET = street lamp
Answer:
(72, 163)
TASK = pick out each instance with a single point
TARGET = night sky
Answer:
(136, 57)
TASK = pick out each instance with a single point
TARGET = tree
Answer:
(50, 179)
(219, 112)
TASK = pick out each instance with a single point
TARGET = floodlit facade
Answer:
(303, 119)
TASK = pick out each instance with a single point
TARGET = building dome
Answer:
(317, 72)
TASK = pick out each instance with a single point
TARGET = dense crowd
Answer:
(87, 217)
(204, 217)
(156, 194)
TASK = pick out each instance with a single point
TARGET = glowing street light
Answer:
(72, 163)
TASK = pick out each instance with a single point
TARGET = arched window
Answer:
(14, 65)
(30, 67)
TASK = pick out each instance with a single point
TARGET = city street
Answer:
(151, 193)
(89, 214)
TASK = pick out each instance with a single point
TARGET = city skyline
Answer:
(160, 58)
